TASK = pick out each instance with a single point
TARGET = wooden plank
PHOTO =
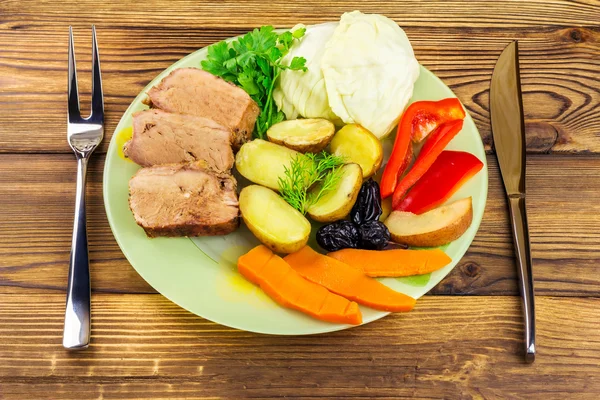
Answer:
(456, 348)
(249, 13)
(559, 57)
(563, 205)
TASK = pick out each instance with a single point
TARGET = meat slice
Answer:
(197, 92)
(165, 138)
(184, 200)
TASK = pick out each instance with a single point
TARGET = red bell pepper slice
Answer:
(426, 116)
(430, 151)
(399, 160)
(445, 176)
(418, 121)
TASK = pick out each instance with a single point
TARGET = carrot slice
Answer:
(258, 256)
(394, 263)
(347, 281)
(284, 285)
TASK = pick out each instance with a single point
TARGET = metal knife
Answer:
(508, 130)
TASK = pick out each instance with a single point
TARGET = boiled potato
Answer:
(272, 220)
(434, 228)
(338, 202)
(358, 145)
(304, 135)
(264, 162)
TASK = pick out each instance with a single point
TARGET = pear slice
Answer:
(434, 228)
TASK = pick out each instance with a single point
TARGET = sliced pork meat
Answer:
(165, 138)
(197, 92)
(184, 200)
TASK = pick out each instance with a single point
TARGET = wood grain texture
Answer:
(563, 205)
(449, 347)
(145, 347)
(37, 221)
(559, 47)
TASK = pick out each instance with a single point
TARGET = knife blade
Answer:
(508, 131)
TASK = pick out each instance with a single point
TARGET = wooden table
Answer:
(463, 341)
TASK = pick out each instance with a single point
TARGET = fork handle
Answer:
(76, 334)
(520, 232)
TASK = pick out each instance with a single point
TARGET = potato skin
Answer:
(309, 135)
(253, 199)
(302, 148)
(360, 146)
(435, 238)
(345, 193)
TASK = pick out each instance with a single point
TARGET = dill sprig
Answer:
(327, 185)
(306, 171)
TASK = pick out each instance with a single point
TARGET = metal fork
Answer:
(84, 135)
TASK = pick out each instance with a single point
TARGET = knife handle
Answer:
(520, 233)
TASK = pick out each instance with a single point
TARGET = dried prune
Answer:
(395, 246)
(364, 231)
(338, 235)
(374, 235)
(368, 204)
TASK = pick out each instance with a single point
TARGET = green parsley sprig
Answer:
(254, 62)
(321, 171)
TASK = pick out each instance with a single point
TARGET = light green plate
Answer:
(200, 274)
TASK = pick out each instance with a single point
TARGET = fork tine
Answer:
(73, 91)
(97, 95)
